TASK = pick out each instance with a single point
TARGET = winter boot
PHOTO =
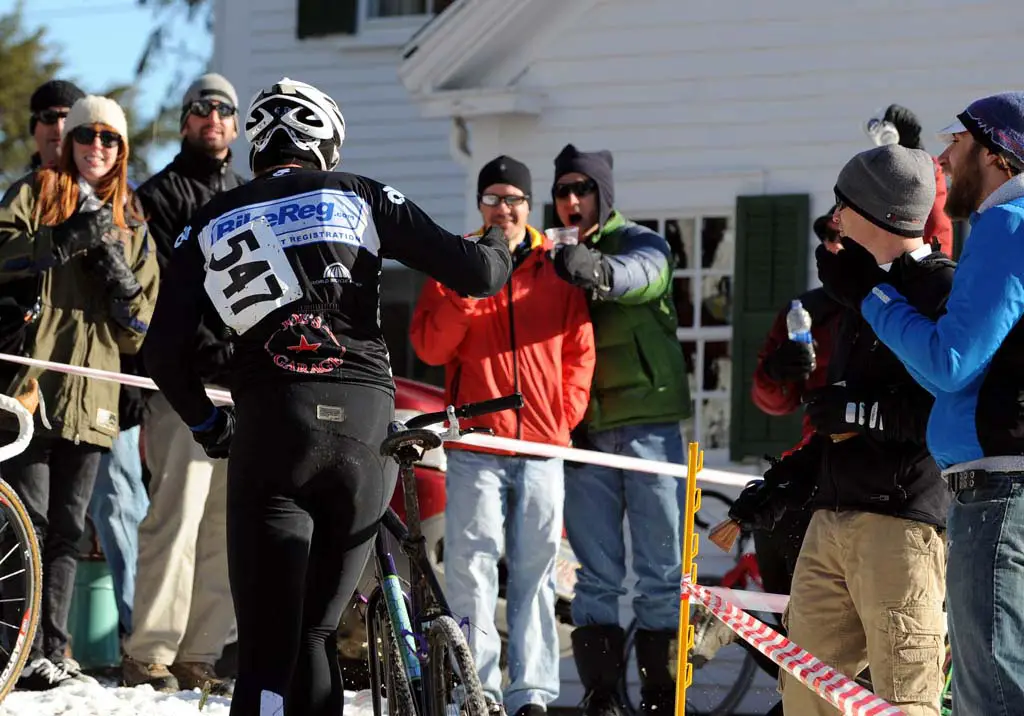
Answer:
(598, 651)
(655, 652)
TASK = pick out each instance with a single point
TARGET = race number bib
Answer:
(248, 276)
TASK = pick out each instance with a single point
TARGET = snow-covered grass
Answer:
(93, 699)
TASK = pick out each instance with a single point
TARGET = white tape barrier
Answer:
(221, 397)
(523, 447)
(753, 601)
(843, 693)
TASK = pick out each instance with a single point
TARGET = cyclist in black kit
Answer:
(291, 263)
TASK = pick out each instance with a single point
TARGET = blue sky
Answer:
(100, 42)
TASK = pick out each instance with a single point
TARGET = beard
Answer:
(965, 190)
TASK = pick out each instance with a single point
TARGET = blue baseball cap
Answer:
(997, 123)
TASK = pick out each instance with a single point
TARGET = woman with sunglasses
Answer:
(76, 236)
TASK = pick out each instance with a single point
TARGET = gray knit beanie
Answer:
(209, 86)
(891, 186)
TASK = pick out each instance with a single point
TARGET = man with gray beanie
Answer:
(868, 584)
(183, 612)
(972, 359)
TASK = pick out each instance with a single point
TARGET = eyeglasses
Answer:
(579, 188)
(204, 108)
(509, 200)
(87, 135)
(840, 205)
(50, 117)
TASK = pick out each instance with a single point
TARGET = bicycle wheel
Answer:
(452, 671)
(388, 676)
(21, 582)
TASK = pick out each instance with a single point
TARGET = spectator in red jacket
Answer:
(534, 337)
(787, 369)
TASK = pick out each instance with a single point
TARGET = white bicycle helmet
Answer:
(294, 119)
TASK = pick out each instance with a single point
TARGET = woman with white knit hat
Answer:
(76, 253)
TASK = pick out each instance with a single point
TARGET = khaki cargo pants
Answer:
(868, 589)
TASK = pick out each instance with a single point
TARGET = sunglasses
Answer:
(50, 117)
(509, 200)
(840, 205)
(87, 135)
(579, 188)
(204, 108)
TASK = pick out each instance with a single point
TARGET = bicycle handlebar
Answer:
(468, 410)
(25, 427)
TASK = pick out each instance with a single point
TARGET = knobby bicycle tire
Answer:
(25, 535)
(447, 644)
(400, 698)
(387, 668)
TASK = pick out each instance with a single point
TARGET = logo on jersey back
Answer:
(305, 344)
(324, 215)
(183, 236)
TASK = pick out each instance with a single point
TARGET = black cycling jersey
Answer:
(291, 263)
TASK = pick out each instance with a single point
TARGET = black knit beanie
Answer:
(55, 93)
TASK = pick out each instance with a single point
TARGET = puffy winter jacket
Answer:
(541, 343)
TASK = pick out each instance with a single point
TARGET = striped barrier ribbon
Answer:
(843, 693)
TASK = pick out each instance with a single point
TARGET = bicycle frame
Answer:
(411, 618)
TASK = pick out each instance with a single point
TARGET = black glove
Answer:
(216, 440)
(835, 409)
(790, 361)
(907, 124)
(84, 230)
(108, 264)
(849, 275)
(583, 266)
(759, 507)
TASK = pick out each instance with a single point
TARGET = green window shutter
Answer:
(318, 18)
(772, 242)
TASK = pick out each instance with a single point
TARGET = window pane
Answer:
(690, 355)
(651, 224)
(396, 8)
(716, 244)
(679, 234)
(682, 298)
(717, 365)
(715, 423)
(716, 301)
(440, 6)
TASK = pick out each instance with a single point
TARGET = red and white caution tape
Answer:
(822, 679)
(522, 447)
(753, 601)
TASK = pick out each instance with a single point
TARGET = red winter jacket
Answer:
(938, 228)
(550, 353)
(782, 398)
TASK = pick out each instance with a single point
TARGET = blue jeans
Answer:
(513, 505)
(985, 597)
(119, 503)
(597, 499)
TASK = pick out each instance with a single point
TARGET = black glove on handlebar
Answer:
(216, 440)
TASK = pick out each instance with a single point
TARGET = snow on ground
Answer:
(93, 699)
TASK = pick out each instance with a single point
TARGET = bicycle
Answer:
(714, 700)
(419, 656)
(21, 577)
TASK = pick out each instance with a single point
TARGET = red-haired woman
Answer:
(75, 248)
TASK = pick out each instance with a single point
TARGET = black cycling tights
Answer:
(306, 490)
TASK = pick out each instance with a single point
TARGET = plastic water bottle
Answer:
(798, 323)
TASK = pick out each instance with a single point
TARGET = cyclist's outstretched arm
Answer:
(476, 268)
(170, 344)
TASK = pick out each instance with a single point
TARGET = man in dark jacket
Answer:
(869, 583)
(183, 611)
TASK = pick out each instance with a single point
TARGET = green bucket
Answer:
(93, 620)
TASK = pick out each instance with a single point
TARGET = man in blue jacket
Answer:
(972, 360)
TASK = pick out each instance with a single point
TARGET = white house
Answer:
(728, 122)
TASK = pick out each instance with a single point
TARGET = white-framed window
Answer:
(379, 9)
(703, 247)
